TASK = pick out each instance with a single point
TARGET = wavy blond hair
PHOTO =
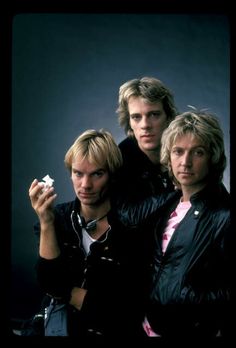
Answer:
(204, 125)
(98, 147)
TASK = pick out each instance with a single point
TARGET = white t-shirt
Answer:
(87, 240)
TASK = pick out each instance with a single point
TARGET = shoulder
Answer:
(214, 201)
(66, 208)
(219, 199)
(215, 197)
(132, 154)
(128, 141)
(133, 213)
(128, 145)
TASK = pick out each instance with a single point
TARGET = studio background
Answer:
(66, 73)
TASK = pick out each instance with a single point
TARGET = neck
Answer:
(188, 191)
(153, 155)
(95, 212)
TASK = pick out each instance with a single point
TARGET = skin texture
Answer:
(90, 184)
(190, 164)
(147, 122)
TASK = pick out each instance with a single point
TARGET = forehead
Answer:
(137, 103)
(188, 138)
(84, 165)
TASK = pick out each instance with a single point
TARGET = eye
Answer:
(135, 117)
(177, 151)
(155, 114)
(78, 174)
(98, 174)
(199, 152)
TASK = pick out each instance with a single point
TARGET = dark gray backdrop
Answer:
(66, 72)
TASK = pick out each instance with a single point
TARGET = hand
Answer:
(42, 202)
(77, 297)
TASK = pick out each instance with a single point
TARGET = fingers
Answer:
(45, 196)
(34, 190)
(39, 197)
(33, 184)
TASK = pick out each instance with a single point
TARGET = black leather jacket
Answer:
(111, 272)
(191, 284)
(139, 178)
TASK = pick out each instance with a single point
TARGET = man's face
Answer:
(90, 182)
(148, 122)
(190, 161)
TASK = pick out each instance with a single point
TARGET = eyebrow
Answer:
(149, 112)
(194, 147)
(94, 171)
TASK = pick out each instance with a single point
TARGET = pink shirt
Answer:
(176, 216)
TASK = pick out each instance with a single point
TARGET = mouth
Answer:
(186, 173)
(147, 136)
(86, 195)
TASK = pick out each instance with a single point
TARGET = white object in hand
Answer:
(46, 183)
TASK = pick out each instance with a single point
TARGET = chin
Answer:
(150, 147)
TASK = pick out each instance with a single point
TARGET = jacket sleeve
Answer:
(133, 213)
(53, 277)
(216, 274)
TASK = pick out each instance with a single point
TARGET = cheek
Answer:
(206, 169)
(103, 183)
(159, 126)
(75, 182)
(132, 124)
(173, 167)
(173, 162)
(203, 168)
(163, 124)
(102, 190)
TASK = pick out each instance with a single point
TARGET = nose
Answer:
(186, 159)
(86, 182)
(145, 122)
